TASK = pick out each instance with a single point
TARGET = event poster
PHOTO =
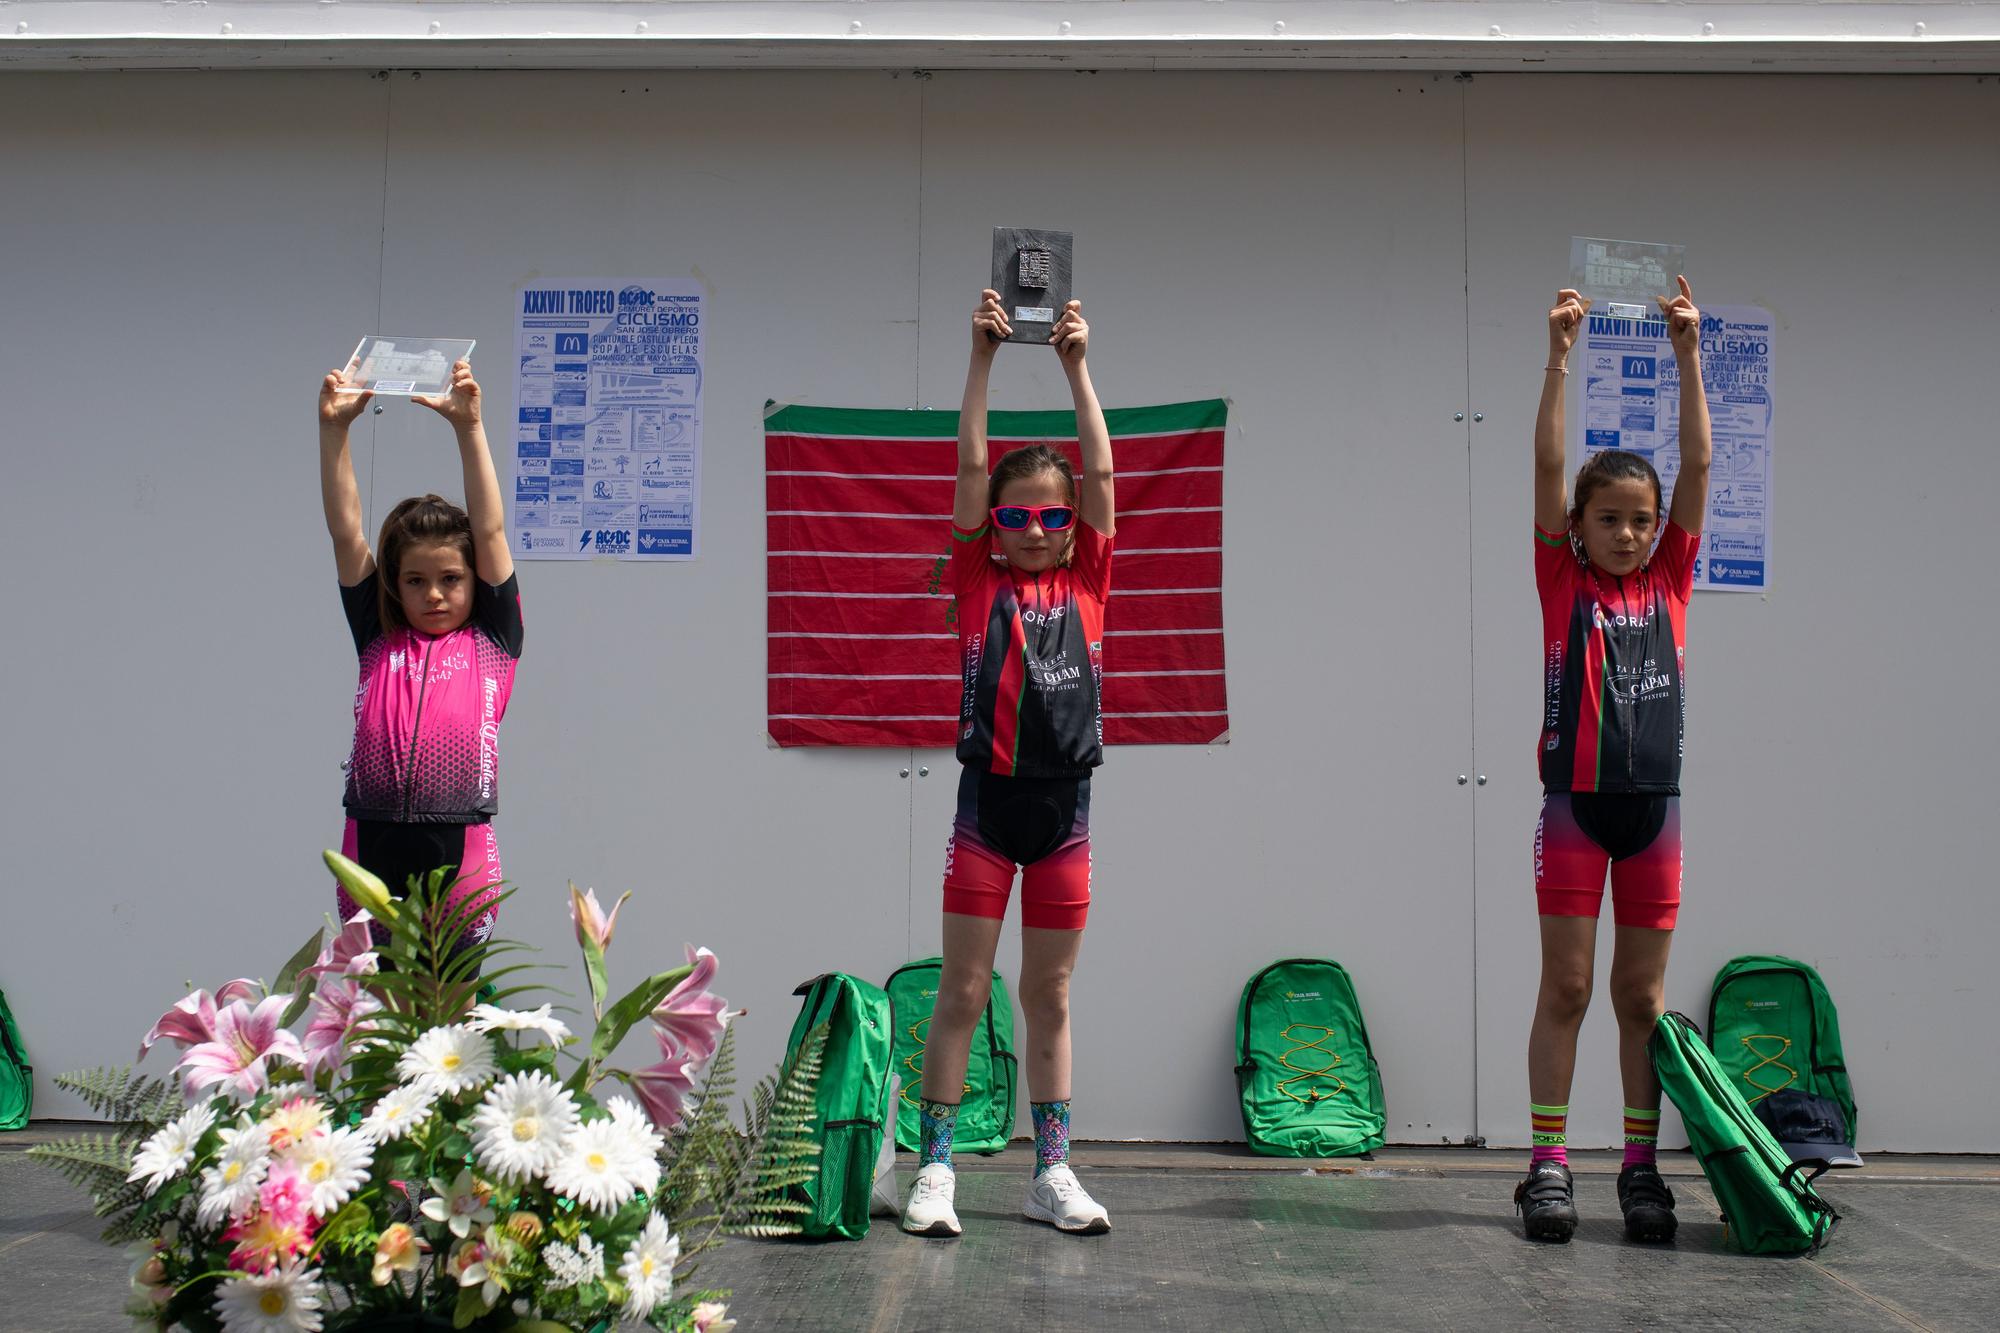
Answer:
(606, 445)
(1631, 400)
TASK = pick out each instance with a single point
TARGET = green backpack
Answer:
(1773, 1027)
(17, 1076)
(852, 1099)
(1768, 1202)
(986, 1111)
(1305, 1072)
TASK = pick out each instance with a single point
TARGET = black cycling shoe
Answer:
(1547, 1200)
(1648, 1205)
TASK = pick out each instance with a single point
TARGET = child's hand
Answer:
(1072, 335)
(459, 406)
(1566, 321)
(337, 408)
(1683, 322)
(989, 323)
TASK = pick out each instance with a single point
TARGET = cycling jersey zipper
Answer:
(1632, 704)
(410, 779)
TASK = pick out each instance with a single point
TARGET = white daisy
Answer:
(597, 1167)
(519, 1128)
(492, 1018)
(229, 1187)
(648, 1269)
(333, 1166)
(573, 1267)
(284, 1300)
(168, 1152)
(451, 1060)
(642, 1142)
(400, 1111)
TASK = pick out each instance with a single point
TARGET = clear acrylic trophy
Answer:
(1622, 278)
(405, 366)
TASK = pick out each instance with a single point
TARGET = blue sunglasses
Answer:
(1015, 518)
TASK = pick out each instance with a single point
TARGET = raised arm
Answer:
(460, 406)
(338, 493)
(1551, 446)
(1690, 504)
(989, 328)
(1096, 499)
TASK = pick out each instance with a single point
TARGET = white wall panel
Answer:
(178, 676)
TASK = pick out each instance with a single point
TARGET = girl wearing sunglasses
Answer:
(1031, 630)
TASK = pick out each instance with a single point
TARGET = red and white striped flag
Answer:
(862, 647)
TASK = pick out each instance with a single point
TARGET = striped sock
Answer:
(1642, 1136)
(1051, 1121)
(1550, 1128)
(936, 1123)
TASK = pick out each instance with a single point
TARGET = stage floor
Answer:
(1215, 1240)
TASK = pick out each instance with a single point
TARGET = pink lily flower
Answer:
(244, 1039)
(191, 1021)
(690, 1015)
(663, 1089)
(349, 953)
(338, 1008)
(586, 915)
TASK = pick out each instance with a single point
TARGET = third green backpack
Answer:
(986, 1106)
(1305, 1072)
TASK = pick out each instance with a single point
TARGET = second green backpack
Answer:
(852, 1099)
(1304, 1069)
(986, 1108)
(1773, 1028)
(1769, 1205)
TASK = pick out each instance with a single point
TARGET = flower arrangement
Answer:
(427, 1153)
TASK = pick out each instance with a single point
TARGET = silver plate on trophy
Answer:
(1623, 277)
(393, 365)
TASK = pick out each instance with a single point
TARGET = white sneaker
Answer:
(929, 1211)
(1058, 1198)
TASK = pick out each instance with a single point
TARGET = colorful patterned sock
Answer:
(1550, 1127)
(1051, 1133)
(937, 1122)
(1642, 1136)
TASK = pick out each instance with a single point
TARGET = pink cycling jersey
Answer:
(427, 710)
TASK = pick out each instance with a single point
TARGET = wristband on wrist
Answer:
(1560, 370)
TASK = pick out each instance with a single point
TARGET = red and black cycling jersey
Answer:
(1614, 703)
(1032, 651)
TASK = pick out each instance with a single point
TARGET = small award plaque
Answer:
(1622, 277)
(386, 365)
(1031, 271)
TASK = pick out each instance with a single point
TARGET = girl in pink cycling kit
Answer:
(436, 616)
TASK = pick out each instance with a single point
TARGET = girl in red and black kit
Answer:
(1614, 588)
(435, 612)
(1031, 637)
